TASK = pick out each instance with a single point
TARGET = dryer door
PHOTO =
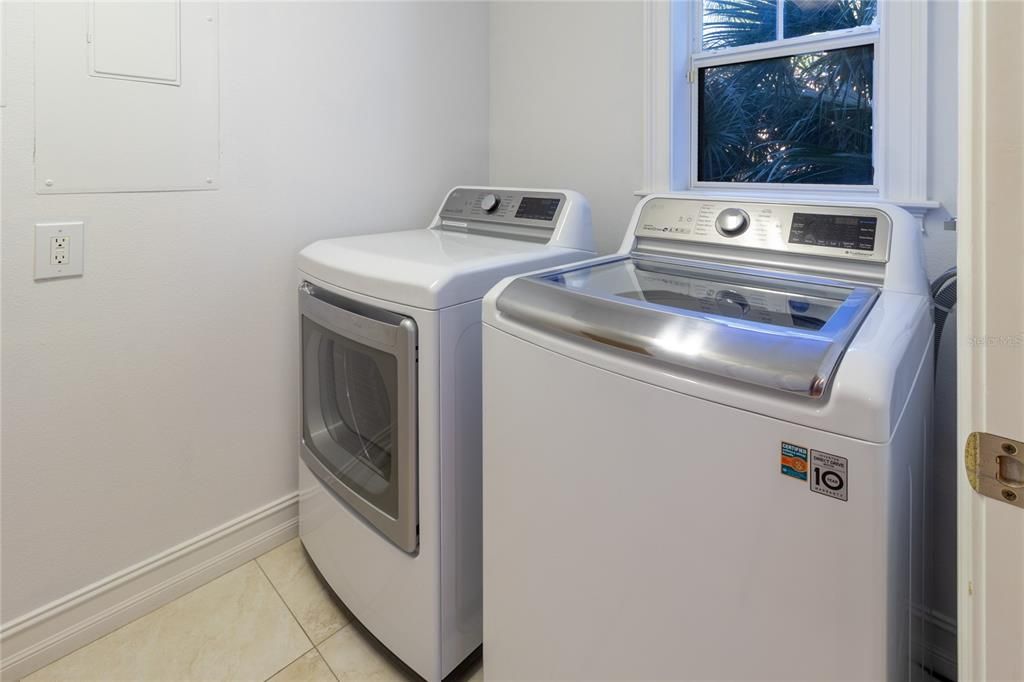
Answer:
(359, 408)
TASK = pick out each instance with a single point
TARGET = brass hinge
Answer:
(995, 467)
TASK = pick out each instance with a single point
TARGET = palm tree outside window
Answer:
(785, 91)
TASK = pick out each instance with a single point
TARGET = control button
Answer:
(489, 203)
(732, 303)
(732, 222)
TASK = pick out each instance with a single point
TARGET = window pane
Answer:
(814, 16)
(806, 118)
(728, 23)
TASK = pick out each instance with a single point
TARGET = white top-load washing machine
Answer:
(389, 470)
(702, 455)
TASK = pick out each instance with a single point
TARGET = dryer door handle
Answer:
(380, 329)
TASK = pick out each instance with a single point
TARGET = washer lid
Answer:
(425, 268)
(782, 332)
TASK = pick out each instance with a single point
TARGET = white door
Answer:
(991, 337)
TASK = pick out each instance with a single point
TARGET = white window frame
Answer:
(900, 39)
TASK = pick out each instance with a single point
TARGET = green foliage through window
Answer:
(816, 16)
(731, 23)
(805, 118)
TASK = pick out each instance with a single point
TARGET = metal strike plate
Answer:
(995, 467)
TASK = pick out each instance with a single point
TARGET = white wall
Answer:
(567, 103)
(156, 397)
(567, 108)
(940, 244)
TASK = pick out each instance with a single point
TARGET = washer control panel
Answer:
(856, 233)
(530, 209)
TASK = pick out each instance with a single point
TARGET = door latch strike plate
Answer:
(995, 467)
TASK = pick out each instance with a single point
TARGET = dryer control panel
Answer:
(526, 208)
(855, 233)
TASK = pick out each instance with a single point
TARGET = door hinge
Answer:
(995, 467)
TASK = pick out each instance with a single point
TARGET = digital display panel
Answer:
(837, 231)
(537, 208)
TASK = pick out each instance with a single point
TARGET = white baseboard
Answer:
(42, 636)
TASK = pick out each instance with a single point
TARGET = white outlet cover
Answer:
(45, 232)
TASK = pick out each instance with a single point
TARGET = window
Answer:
(783, 92)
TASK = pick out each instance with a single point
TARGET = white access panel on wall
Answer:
(127, 96)
(136, 41)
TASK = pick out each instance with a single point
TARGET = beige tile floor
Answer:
(270, 619)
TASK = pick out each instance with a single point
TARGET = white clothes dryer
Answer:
(389, 468)
(702, 455)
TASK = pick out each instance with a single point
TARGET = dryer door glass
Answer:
(358, 410)
(351, 421)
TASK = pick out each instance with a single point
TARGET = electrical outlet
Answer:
(59, 250)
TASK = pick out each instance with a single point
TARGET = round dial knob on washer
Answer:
(489, 203)
(732, 222)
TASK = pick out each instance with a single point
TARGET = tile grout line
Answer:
(294, 618)
(324, 658)
(318, 653)
(285, 602)
(315, 647)
(290, 662)
(349, 622)
(348, 619)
